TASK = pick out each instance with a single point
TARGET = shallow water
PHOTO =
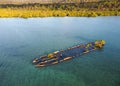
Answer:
(21, 40)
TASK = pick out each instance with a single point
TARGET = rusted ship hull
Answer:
(64, 55)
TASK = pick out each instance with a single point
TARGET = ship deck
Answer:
(64, 55)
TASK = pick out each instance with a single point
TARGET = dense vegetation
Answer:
(103, 8)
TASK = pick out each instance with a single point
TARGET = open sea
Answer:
(22, 40)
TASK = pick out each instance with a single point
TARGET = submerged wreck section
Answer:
(63, 55)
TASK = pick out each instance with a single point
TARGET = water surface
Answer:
(21, 40)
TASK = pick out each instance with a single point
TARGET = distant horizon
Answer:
(44, 1)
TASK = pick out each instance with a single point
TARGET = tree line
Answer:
(101, 8)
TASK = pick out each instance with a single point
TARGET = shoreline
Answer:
(92, 9)
(63, 13)
(53, 17)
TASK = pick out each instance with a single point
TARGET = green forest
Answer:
(86, 9)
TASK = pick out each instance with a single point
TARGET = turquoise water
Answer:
(21, 40)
